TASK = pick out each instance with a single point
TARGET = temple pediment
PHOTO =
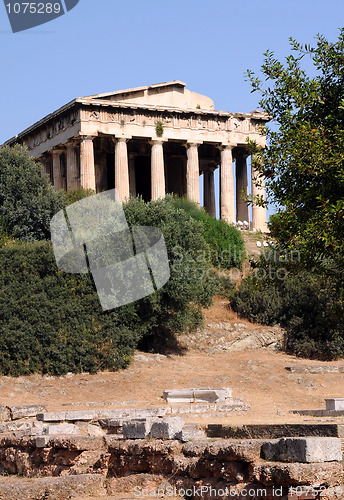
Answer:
(169, 94)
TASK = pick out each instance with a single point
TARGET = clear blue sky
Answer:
(105, 45)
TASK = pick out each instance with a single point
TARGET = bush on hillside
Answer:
(177, 306)
(225, 241)
(52, 322)
(27, 200)
(307, 302)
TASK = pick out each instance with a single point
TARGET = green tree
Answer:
(304, 161)
(27, 200)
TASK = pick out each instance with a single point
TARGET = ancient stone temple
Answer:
(150, 141)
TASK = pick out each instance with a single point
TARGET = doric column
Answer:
(157, 170)
(87, 167)
(132, 174)
(57, 172)
(258, 213)
(227, 200)
(209, 192)
(73, 181)
(192, 173)
(241, 187)
(121, 168)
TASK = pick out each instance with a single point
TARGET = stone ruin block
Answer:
(22, 428)
(136, 428)
(334, 403)
(307, 450)
(207, 394)
(64, 429)
(157, 428)
(167, 428)
(111, 425)
(18, 412)
(42, 441)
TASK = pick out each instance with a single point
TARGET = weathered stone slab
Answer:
(136, 413)
(231, 451)
(82, 416)
(197, 395)
(316, 369)
(78, 443)
(334, 403)
(89, 415)
(63, 429)
(22, 428)
(111, 425)
(137, 428)
(294, 474)
(18, 412)
(233, 404)
(166, 428)
(319, 413)
(53, 488)
(63, 416)
(309, 449)
(274, 431)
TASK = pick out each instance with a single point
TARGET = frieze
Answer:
(180, 121)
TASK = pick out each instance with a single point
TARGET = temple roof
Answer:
(168, 94)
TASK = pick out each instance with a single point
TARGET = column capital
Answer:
(86, 137)
(224, 145)
(124, 138)
(189, 144)
(157, 140)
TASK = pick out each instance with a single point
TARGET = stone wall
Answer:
(249, 468)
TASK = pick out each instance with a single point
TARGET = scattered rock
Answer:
(229, 337)
(149, 358)
(316, 369)
(95, 430)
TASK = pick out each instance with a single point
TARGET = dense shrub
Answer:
(52, 322)
(177, 306)
(258, 303)
(76, 195)
(307, 302)
(225, 241)
(27, 200)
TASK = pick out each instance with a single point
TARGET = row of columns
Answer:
(125, 175)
